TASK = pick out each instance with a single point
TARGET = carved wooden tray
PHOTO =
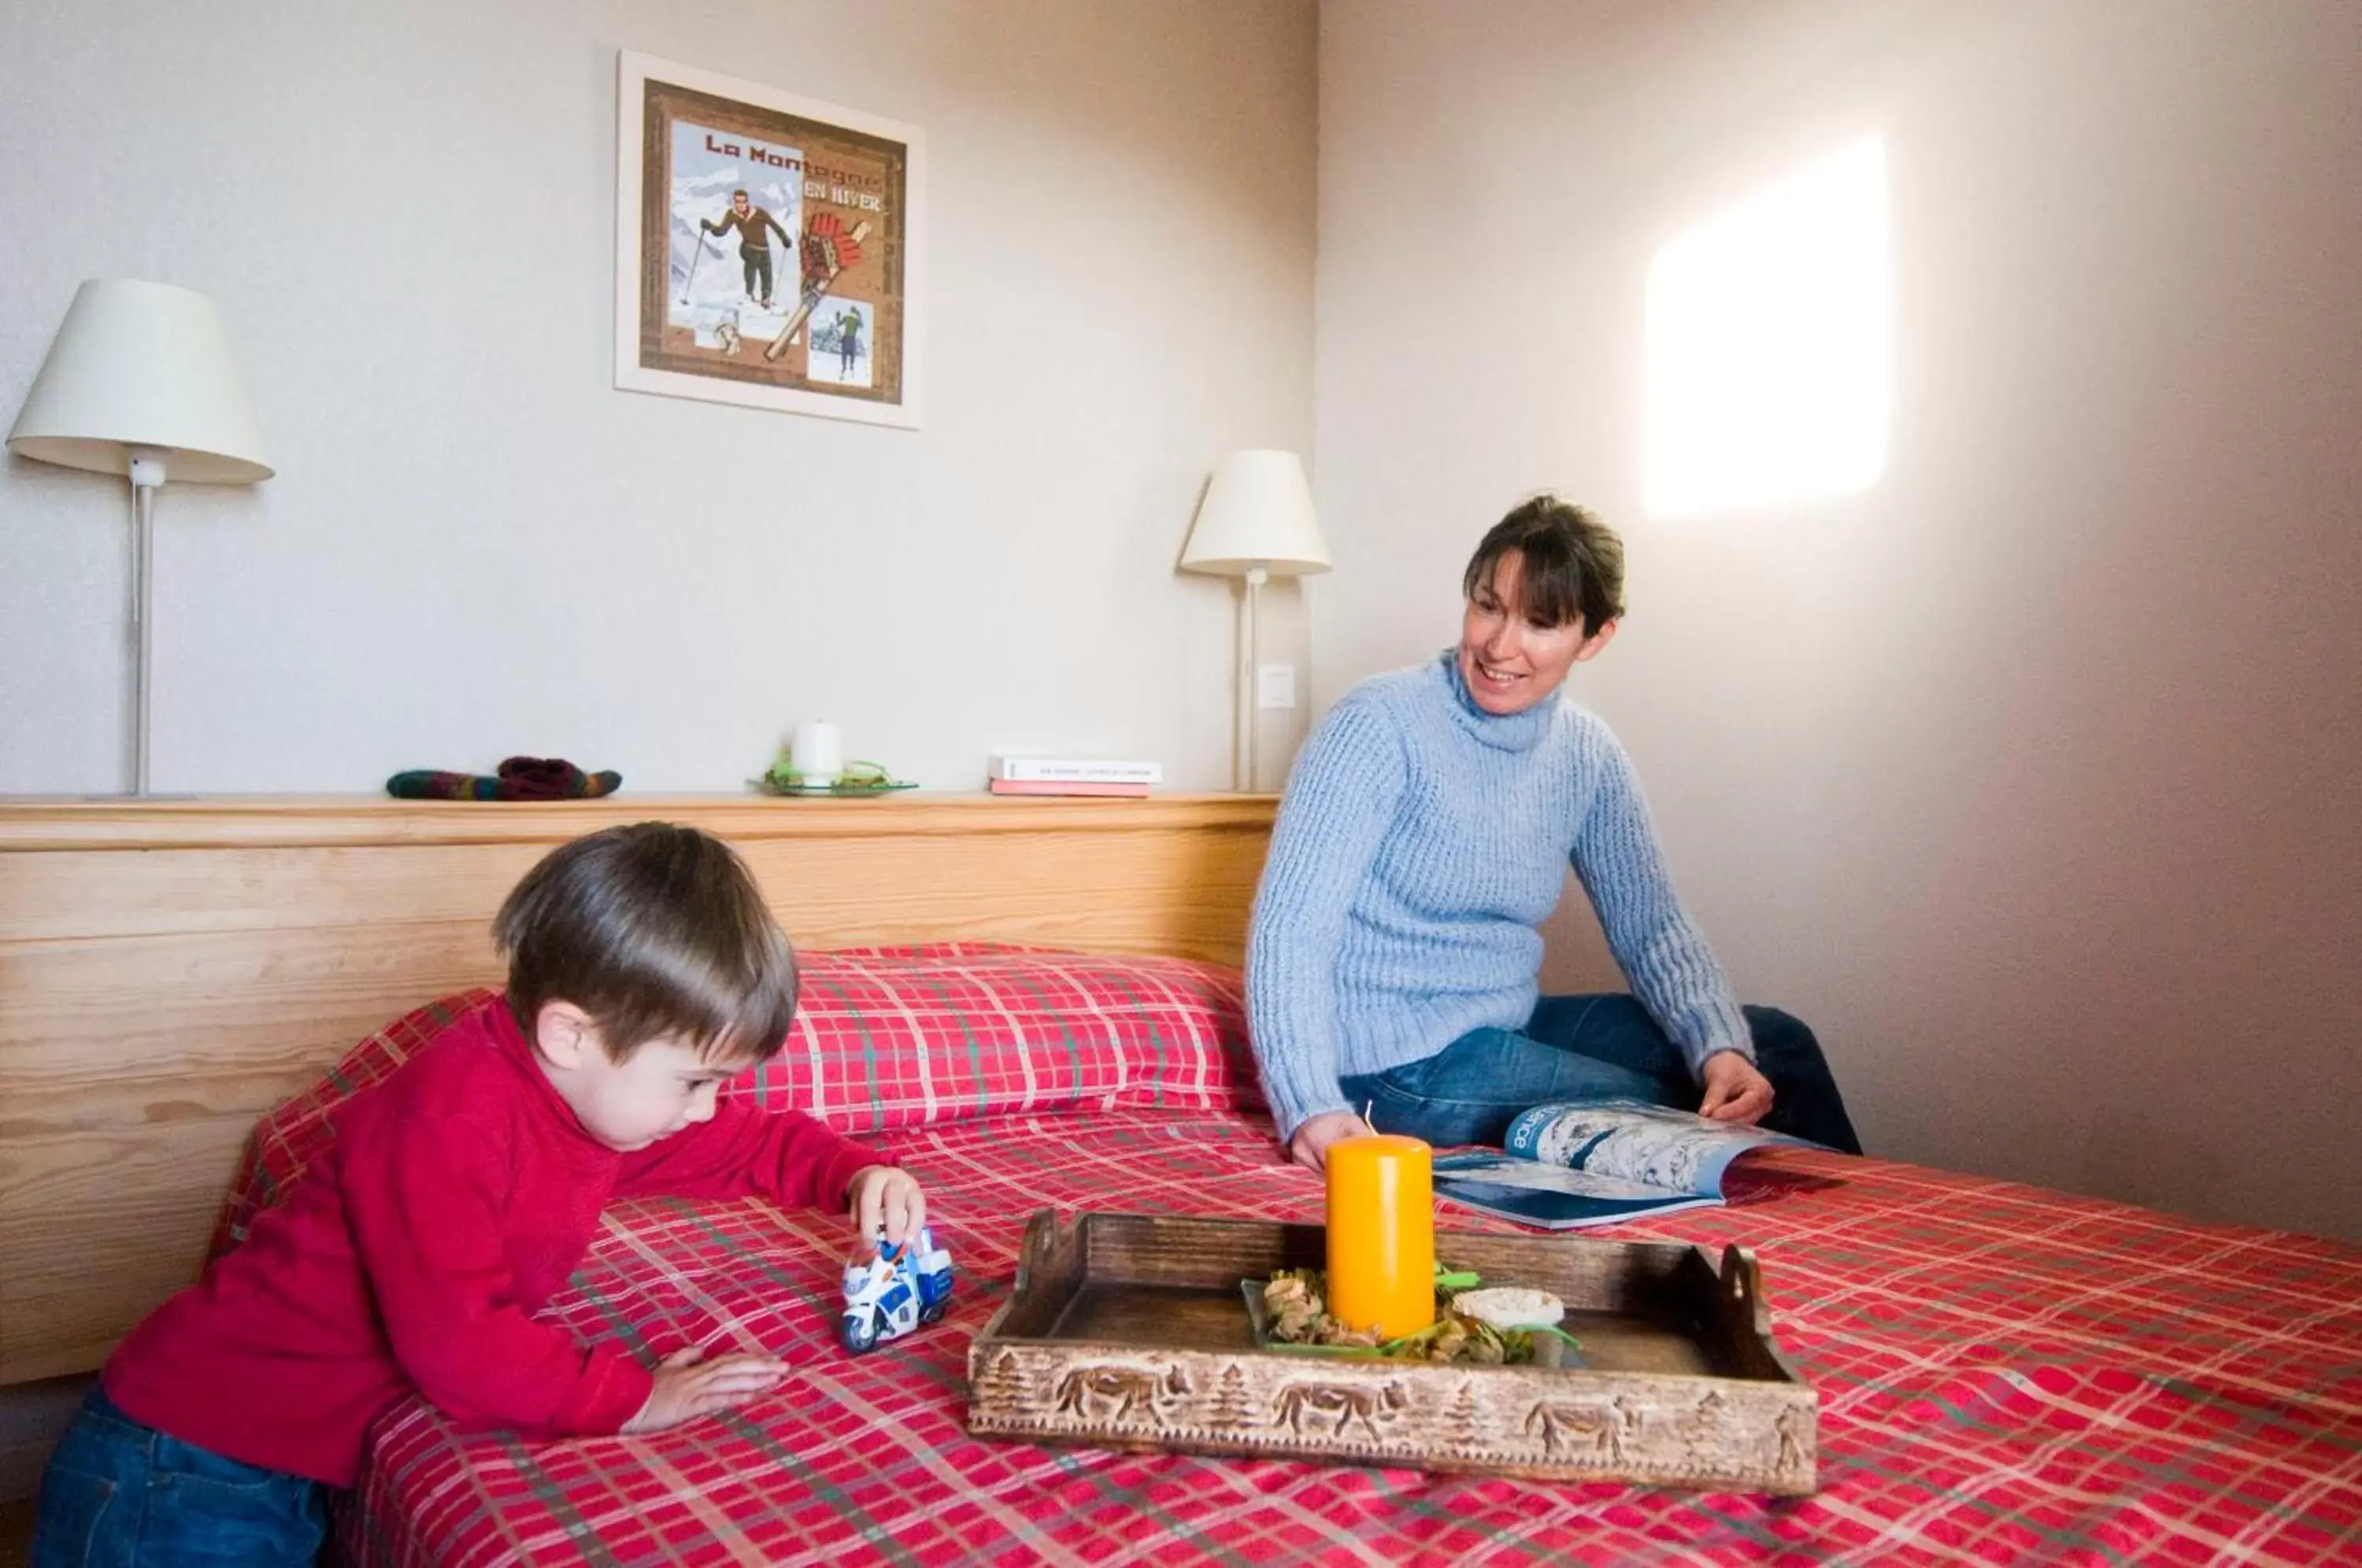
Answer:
(1127, 1331)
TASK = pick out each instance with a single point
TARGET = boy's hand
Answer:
(689, 1386)
(886, 1201)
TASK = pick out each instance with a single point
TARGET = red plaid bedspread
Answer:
(2006, 1375)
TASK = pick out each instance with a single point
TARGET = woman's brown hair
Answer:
(1573, 563)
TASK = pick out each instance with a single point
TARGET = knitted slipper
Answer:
(519, 779)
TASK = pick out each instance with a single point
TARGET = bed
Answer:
(2006, 1374)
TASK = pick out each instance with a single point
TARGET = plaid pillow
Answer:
(893, 1037)
(890, 1037)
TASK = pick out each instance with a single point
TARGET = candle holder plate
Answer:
(1128, 1331)
(1551, 1350)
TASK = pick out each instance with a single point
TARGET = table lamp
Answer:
(139, 381)
(1256, 520)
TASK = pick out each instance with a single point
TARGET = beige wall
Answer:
(476, 546)
(2028, 775)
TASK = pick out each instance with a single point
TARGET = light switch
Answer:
(1275, 686)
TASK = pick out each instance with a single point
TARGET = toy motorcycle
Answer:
(894, 1292)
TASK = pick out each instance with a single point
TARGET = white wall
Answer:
(476, 547)
(2028, 775)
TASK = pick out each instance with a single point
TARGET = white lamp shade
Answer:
(1257, 513)
(142, 365)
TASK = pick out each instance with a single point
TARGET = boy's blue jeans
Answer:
(119, 1494)
(1592, 1047)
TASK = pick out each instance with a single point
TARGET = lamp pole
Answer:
(146, 474)
(1251, 716)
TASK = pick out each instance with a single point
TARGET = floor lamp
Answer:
(1255, 523)
(140, 382)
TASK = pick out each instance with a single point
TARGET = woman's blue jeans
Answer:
(1588, 1048)
(120, 1495)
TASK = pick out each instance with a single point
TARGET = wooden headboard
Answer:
(168, 971)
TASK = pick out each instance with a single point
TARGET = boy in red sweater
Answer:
(456, 1196)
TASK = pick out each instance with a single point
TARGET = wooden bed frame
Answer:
(168, 971)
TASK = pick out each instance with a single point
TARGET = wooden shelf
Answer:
(211, 821)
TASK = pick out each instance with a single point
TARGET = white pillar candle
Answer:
(818, 753)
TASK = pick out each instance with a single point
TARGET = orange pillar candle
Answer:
(1382, 1233)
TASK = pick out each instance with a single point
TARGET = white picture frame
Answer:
(842, 191)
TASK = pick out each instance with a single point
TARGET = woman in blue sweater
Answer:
(1395, 953)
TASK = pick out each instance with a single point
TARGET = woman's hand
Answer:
(1735, 1091)
(1309, 1147)
(689, 1386)
(886, 1201)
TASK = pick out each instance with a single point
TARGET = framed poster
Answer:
(766, 247)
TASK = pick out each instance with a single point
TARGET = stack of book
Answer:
(1072, 776)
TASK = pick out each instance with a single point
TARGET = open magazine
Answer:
(1567, 1165)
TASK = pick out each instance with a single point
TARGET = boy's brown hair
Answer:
(652, 930)
(1573, 563)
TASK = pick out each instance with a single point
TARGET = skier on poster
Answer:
(753, 242)
(848, 342)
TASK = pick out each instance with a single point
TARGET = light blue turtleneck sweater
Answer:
(1420, 844)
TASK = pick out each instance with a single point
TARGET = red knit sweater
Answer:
(457, 1196)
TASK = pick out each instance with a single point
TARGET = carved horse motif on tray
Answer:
(1592, 1430)
(1115, 1393)
(1304, 1406)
